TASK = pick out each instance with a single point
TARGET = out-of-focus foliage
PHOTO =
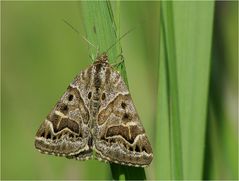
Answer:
(40, 55)
(221, 156)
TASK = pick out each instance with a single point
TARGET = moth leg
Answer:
(116, 65)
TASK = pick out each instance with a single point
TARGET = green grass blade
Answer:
(221, 161)
(184, 67)
(193, 35)
(167, 27)
(162, 148)
(100, 28)
(101, 31)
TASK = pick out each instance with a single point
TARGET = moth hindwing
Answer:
(96, 113)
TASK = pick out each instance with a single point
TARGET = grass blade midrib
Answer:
(173, 100)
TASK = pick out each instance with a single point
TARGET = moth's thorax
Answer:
(102, 58)
(99, 82)
(100, 73)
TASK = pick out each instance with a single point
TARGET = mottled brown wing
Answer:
(66, 130)
(118, 133)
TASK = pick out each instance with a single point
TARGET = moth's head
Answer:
(102, 58)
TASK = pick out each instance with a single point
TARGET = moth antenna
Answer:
(117, 41)
(83, 37)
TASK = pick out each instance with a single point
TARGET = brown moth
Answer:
(96, 113)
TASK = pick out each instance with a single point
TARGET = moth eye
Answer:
(89, 95)
(123, 105)
(103, 96)
(70, 97)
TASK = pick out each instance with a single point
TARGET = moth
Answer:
(96, 116)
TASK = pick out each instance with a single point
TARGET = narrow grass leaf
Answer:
(101, 31)
(191, 51)
(162, 148)
(167, 28)
(193, 22)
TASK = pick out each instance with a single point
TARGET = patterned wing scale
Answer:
(120, 137)
(96, 112)
(65, 131)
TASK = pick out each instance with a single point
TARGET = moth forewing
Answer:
(96, 113)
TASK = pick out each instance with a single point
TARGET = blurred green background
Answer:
(40, 55)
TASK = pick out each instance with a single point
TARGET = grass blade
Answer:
(167, 27)
(187, 29)
(101, 31)
(221, 161)
(163, 165)
(193, 34)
